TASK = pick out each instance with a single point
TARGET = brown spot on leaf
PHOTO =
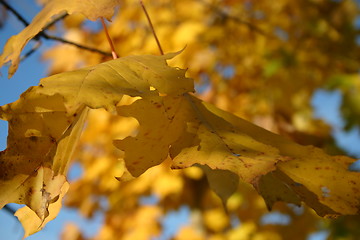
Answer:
(157, 105)
(33, 138)
(52, 139)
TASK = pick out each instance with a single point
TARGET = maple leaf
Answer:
(259, 152)
(332, 191)
(228, 148)
(158, 130)
(90, 8)
(41, 141)
(30, 220)
(103, 85)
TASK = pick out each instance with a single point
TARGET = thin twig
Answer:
(238, 20)
(43, 34)
(55, 20)
(9, 209)
(21, 19)
(113, 52)
(152, 27)
(76, 45)
(225, 15)
(31, 51)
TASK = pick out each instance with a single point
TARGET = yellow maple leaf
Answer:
(31, 222)
(224, 151)
(41, 141)
(157, 132)
(228, 148)
(105, 84)
(281, 170)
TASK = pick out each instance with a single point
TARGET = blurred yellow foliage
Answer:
(261, 60)
(276, 54)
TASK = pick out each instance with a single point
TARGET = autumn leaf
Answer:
(228, 148)
(332, 191)
(90, 8)
(41, 141)
(30, 221)
(104, 85)
(252, 152)
(160, 126)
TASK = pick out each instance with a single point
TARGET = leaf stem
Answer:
(151, 27)
(114, 55)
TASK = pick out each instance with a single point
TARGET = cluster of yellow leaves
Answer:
(172, 122)
(176, 123)
(101, 161)
(265, 71)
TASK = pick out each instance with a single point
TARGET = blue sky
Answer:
(32, 69)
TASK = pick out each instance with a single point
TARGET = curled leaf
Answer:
(41, 140)
(105, 84)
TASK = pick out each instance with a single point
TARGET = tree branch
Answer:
(43, 34)
(60, 17)
(31, 51)
(21, 19)
(49, 37)
(225, 15)
(9, 209)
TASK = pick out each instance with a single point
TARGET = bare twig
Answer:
(21, 19)
(77, 45)
(31, 51)
(60, 17)
(225, 15)
(152, 27)
(113, 52)
(9, 209)
(43, 34)
(238, 20)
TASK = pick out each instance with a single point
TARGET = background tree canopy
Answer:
(260, 60)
